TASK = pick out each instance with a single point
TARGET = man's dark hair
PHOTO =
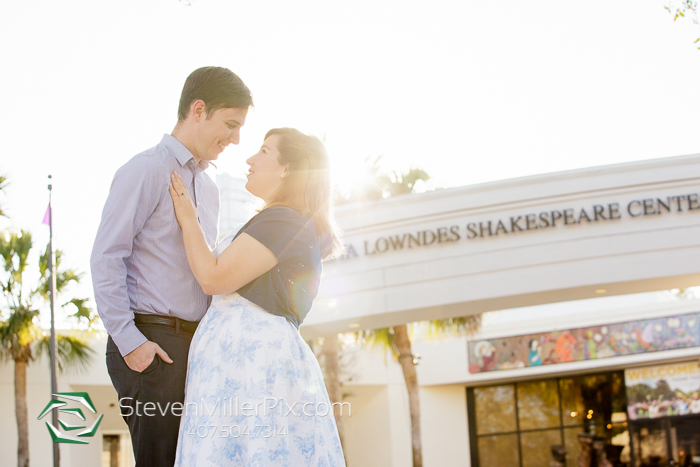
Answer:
(218, 87)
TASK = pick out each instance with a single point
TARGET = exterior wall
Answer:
(373, 288)
(444, 428)
(443, 375)
(367, 431)
(378, 432)
(400, 426)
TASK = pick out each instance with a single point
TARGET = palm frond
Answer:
(83, 312)
(378, 184)
(63, 277)
(3, 185)
(452, 327)
(22, 246)
(71, 351)
(44, 263)
(379, 339)
(403, 183)
(19, 325)
(371, 186)
(18, 332)
(14, 251)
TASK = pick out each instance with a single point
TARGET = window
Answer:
(517, 424)
(116, 450)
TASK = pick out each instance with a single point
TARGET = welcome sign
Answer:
(663, 390)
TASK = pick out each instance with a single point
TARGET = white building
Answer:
(572, 365)
(237, 205)
(573, 260)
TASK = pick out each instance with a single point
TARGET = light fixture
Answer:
(574, 414)
(601, 291)
(354, 325)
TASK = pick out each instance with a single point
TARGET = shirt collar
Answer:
(182, 154)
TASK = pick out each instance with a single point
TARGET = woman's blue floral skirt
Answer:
(254, 394)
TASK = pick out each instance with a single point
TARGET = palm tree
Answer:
(375, 184)
(330, 363)
(3, 185)
(21, 338)
(64, 277)
(397, 338)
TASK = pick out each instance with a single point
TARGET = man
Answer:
(146, 293)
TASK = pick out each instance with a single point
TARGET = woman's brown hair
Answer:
(307, 187)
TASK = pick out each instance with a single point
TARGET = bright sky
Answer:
(468, 91)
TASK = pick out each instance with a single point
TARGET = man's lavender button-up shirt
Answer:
(138, 262)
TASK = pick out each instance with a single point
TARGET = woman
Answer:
(535, 353)
(255, 393)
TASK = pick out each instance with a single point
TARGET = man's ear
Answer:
(198, 110)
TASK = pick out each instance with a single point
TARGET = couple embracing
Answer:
(204, 347)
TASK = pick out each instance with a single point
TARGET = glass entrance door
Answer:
(685, 441)
(669, 442)
(649, 444)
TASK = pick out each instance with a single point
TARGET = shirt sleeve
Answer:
(282, 230)
(135, 192)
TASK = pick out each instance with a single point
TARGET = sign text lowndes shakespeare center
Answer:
(535, 221)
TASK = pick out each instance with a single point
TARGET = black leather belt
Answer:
(177, 323)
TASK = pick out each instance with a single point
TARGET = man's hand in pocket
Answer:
(142, 356)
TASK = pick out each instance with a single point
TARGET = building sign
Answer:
(573, 345)
(663, 391)
(524, 222)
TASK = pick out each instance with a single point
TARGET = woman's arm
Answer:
(242, 261)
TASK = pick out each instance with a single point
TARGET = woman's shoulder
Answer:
(280, 211)
(283, 231)
(282, 219)
(282, 214)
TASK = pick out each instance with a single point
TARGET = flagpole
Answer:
(53, 342)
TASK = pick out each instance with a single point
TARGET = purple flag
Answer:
(47, 216)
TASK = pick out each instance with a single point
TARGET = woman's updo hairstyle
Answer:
(307, 187)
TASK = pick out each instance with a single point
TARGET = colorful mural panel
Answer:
(571, 345)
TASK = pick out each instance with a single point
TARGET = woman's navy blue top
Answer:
(289, 288)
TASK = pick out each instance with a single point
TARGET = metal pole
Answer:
(53, 342)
